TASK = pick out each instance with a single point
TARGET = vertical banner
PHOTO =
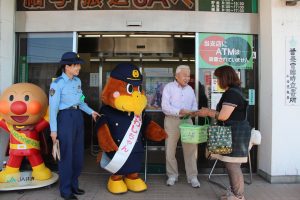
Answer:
(225, 49)
(23, 70)
(292, 69)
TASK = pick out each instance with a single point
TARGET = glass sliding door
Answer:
(37, 59)
(38, 56)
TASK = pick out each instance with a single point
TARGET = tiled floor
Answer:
(93, 180)
(95, 187)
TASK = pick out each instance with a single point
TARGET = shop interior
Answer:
(156, 54)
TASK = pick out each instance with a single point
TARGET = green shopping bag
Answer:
(193, 134)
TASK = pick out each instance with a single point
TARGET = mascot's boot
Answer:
(9, 174)
(134, 183)
(41, 172)
(116, 186)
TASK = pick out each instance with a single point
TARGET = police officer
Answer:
(66, 122)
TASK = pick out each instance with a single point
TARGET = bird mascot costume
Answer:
(122, 126)
(23, 107)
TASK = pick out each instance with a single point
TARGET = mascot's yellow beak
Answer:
(136, 102)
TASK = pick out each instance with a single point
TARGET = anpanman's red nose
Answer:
(18, 107)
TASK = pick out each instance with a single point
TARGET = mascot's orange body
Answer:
(121, 127)
(22, 110)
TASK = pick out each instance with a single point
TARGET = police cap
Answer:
(128, 73)
(70, 58)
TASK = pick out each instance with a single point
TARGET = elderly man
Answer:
(178, 100)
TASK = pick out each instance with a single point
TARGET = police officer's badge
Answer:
(52, 92)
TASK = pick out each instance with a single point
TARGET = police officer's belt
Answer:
(72, 107)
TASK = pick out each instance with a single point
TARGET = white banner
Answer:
(125, 147)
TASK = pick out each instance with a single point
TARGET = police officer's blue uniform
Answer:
(66, 102)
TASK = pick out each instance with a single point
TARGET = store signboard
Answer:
(238, 6)
(136, 5)
(225, 49)
(46, 5)
(292, 70)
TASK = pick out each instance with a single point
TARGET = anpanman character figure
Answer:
(23, 108)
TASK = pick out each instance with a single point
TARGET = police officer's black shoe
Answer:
(70, 197)
(78, 191)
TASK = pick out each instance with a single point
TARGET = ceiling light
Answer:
(118, 59)
(170, 60)
(113, 35)
(150, 59)
(94, 60)
(188, 36)
(144, 35)
(91, 36)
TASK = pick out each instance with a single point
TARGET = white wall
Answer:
(279, 157)
(7, 48)
(116, 20)
(7, 45)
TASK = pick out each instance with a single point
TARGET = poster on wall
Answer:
(238, 6)
(225, 49)
(94, 79)
(292, 69)
(155, 80)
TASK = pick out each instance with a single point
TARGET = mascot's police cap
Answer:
(128, 73)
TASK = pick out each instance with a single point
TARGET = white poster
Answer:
(292, 69)
(215, 98)
(94, 79)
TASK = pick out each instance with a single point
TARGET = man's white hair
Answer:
(182, 67)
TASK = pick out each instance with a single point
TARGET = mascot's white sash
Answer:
(124, 149)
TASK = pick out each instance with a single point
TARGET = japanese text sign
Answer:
(225, 49)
